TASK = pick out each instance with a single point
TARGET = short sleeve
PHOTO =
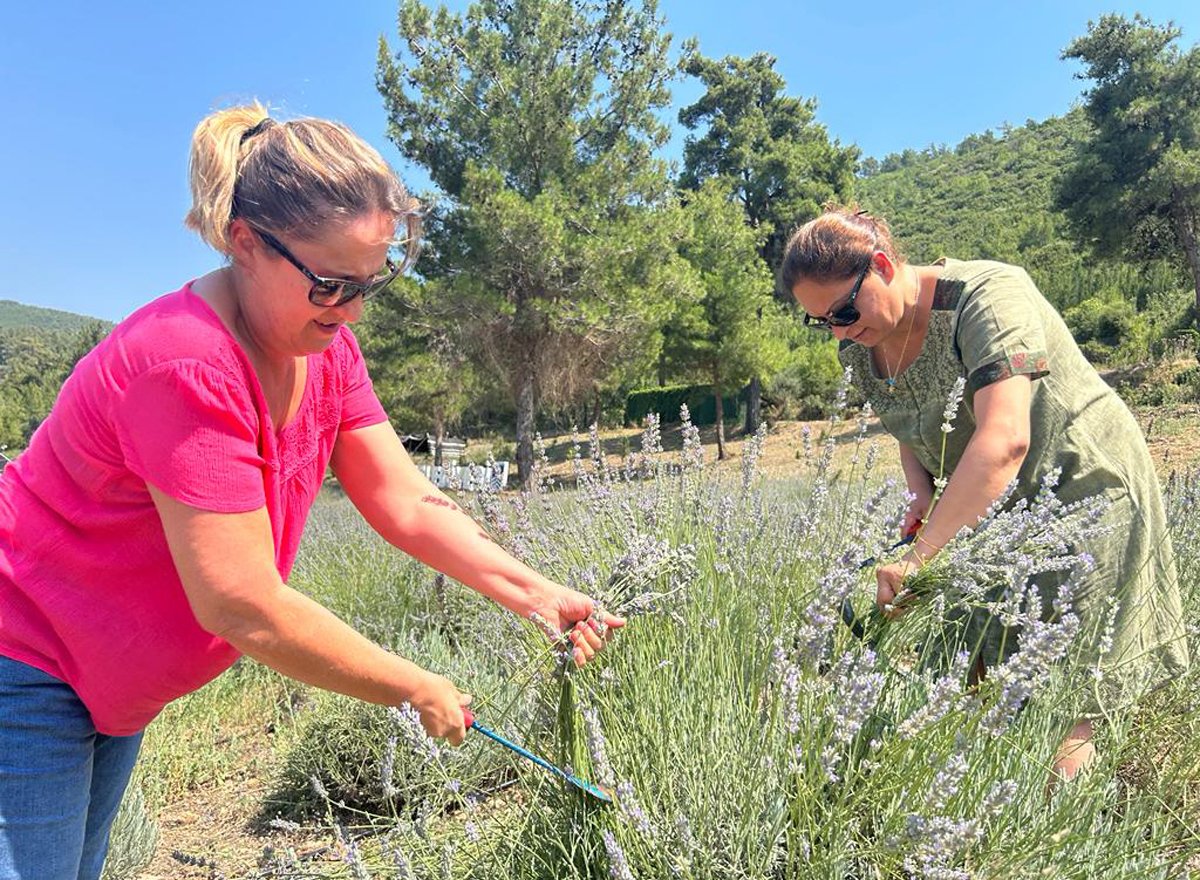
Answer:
(999, 331)
(192, 432)
(360, 405)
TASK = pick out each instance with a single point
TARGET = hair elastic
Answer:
(259, 127)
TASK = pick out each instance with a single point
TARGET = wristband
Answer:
(921, 539)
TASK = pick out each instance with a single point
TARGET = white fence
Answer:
(468, 477)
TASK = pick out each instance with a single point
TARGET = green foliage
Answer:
(554, 244)
(997, 197)
(807, 383)
(990, 198)
(1100, 326)
(33, 365)
(732, 331)
(666, 401)
(765, 150)
(1134, 188)
(18, 316)
(133, 837)
(419, 369)
(763, 147)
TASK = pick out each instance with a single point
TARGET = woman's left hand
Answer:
(574, 614)
(890, 595)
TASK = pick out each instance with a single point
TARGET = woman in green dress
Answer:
(1032, 403)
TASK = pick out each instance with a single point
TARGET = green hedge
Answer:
(666, 401)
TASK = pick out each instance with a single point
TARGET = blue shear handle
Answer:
(491, 734)
(589, 787)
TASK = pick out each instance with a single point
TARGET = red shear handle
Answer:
(468, 718)
(911, 533)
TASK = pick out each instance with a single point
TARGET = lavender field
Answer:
(745, 731)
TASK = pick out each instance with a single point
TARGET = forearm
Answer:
(411, 514)
(918, 480)
(989, 463)
(432, 528)
(294, 635)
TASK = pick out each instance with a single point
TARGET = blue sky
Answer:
(101, 100)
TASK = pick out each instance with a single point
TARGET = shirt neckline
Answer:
(260, 398)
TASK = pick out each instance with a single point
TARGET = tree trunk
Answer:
(1185, 230)
(753, 406)
(720, 424)
(439, 434)
(597, 409)
(525, 408)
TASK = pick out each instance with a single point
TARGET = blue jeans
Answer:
(60, 781)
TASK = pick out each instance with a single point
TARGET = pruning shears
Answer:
(590, 787)
(849, 617)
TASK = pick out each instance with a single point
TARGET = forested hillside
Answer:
(18, 316)
(38, 349)
(994, 196)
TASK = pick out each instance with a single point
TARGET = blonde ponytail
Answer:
(288, 178)
(217, 145)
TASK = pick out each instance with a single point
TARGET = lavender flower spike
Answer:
(408, 725)
(618, 864)
(952, 402)
(597, 746)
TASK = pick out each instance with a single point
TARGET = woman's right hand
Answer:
(441, 705)
(918, 509)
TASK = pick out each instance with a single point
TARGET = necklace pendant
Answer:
(891, 385)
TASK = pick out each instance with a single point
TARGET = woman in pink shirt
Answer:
(147, 533)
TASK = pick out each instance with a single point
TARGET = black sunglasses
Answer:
(333, 292)
(845, 315)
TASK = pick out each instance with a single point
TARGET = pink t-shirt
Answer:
(88, 590)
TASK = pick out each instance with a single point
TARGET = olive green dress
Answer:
(989, 322)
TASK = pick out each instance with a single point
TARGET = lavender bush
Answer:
(745, 731)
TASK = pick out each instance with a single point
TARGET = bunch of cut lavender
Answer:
(650, 573)
(1010, 546)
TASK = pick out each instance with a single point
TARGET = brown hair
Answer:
(834, 246)
(288, 178)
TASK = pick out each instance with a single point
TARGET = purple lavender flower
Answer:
(999, 796)
(403, 867)
(751, 453)
(350, 853)
(618, 864)
(628, 803)
(952, 402)
(407, 721)
(597, 747)
(387, 770)
(693, 450)
(941, 699)
(652, 436)
(858, 688)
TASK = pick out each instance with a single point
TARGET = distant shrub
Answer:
(666, 401)
(1107, 322)
(1154, 394)
(806, 386)
(1189, 376)
(1111, 331)
(1096, 351)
